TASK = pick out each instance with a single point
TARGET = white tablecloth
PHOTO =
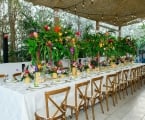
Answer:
(18, 102)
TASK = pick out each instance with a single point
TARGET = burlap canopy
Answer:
(116, 12)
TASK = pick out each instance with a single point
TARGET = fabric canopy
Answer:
(115, 12)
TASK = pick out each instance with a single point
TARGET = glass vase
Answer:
(37, 79)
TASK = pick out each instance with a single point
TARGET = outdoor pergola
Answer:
(115, 12)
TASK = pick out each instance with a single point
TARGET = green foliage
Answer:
(126, 45)
(58, 42)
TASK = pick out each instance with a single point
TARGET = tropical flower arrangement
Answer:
(53, 43)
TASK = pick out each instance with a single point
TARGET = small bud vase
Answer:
(74, 71)
(54, 75)
(27, 79)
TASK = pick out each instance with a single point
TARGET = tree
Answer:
(13, 6)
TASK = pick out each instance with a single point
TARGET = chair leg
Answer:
(77, 115)
(113, 98)
(141, 81)
(126, 89)
(101, 105)
(115, 93)
(86, 113)
(92, 106)
(71, 113)
(134, 85)
(122, 87)
(107, 102)
(131, 87)
(119, 92)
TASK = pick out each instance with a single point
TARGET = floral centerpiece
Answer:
(27, 74)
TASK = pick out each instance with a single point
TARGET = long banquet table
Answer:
(19, 101)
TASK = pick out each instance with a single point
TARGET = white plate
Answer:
(37, 87)
(59, 82)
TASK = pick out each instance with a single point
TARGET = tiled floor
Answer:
(130, 108)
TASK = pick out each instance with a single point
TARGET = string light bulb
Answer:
(102, 17)
(88, 16)
(83, 4)
(92, 1)
(75, 8)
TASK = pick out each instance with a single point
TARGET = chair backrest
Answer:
(133, 73)
(58, 100)
(143, 68)
(96, 86)
(119, 77)
(111, 82)
(2, 75)
(81, 90)
(139, 70)
(17, 75)
(125, 75)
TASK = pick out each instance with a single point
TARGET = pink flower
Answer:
(78, 33)
(49, 43)
(72, 50)
(74, 64)
(110, 41)
(35, 34)
(26, 71)
(46, 27)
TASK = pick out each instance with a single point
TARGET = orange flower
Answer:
(57, 29)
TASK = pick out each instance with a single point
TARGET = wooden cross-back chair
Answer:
(110, 89)
(139, 76)
(132, 80)
(118, 82)
(124, 83)
(96, 93)
(59, 113)
(80, 100)
(143, 74)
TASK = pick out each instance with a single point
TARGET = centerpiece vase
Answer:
(27, 79)
(88, 70)
(74, 71)
(54, 75)
(37, 79)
